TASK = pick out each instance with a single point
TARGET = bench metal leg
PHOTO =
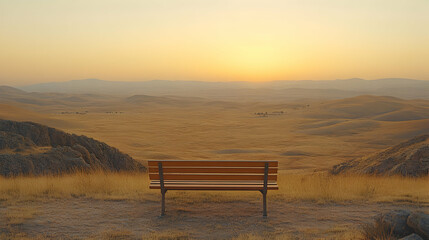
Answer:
(163, 190)
(163, 203)
(264, 192)
(264, 201)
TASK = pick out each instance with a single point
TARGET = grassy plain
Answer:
(317, 187)
(306, 137)
(121, 206)
(309, 135)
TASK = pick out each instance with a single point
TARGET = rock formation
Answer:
(420, 223)
(28, 148)
(403, 224)
(409, 158)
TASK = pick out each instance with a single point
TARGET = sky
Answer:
(212, 40)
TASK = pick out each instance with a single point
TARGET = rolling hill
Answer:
(324, 131)
(367, 115)
(410, 158)
(32, 149)
(10, 95)
(250, 91)
(372, 107)
(15, 113)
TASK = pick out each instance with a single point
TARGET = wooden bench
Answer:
(213, 175)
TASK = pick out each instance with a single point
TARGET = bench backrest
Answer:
(213, 170)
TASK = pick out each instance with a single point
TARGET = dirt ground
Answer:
(82, 218)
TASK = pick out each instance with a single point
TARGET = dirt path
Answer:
(81, 218)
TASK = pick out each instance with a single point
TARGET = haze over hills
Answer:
(372, 107)
(15, 113)
(362, 106)
(305, 129)
(37, 100)
(274, 90)
(58, 102)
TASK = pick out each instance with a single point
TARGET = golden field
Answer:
(310, 134)
(318, 187)
(307, 139)
(27, 198)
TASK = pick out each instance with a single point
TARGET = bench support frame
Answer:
(163, 190)
(264, 192)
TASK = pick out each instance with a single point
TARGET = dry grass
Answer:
(18, 215)
(252, 236)
(344, 232)
(313, 187)
(378, 230)
(13, 218)
(95, 185)
(328, 188)
(20, 236)
(167, 235)
(114, 235)
(335, 234)
(196, 133)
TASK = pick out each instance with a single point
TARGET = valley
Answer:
(307, 136)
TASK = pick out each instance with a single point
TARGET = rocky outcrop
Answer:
(397, 221)
(10, 140)
(409, 158)
(419, 222)
(402, 224)
(412, 237)
(67, 152)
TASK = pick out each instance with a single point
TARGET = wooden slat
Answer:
(156, 182)
(211, 163)
(210, 184)
(213, 177)
(216, 187)
(211, 170)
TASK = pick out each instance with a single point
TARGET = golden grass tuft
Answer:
(252, 236)
(96, 185)
(123, 234)
(378, 230)
(335, 234)
(324, 187)
(20, 236)
(318, 187)
(167, 235)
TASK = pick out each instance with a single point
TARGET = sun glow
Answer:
(212, 40)
(255, 62)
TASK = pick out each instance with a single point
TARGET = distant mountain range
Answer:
(274, 90)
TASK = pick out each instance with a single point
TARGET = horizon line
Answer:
(218, 81)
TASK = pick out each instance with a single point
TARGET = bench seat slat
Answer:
(215, 187)
(156, 182)
(211, 163)
(213, 177)
(212, 170)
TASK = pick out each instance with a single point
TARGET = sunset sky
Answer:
(218, 40)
